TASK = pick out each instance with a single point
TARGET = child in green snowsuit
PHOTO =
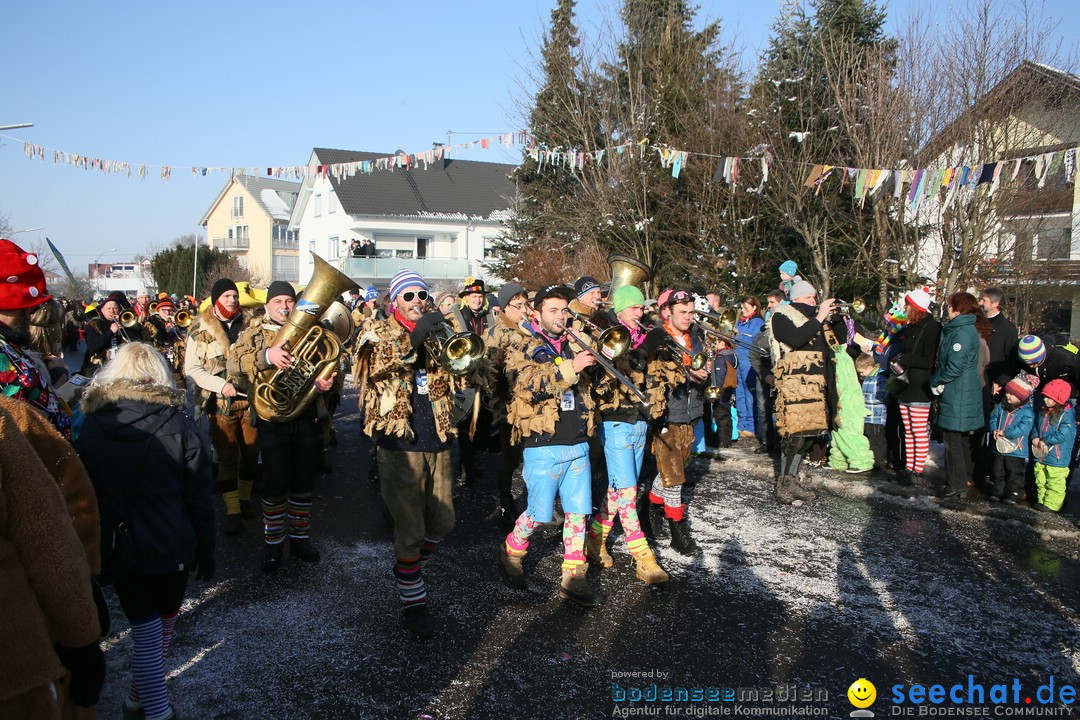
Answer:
(850, 449)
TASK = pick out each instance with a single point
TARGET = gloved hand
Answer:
(87, 667)
(637, 359)
(656, 339)
(937, 389)
(205, 565)
(424, 326)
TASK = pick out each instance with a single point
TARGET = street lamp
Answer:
(16, 232)
(97, 261)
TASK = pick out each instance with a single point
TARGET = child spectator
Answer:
(876, 399)
(1052, 445)
(725, 377)
(1011, 422)
(789, 275)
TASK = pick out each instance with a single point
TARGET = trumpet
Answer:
(726, 331)
(606, 363)
(183, 319)
(613, 341)
(847, 309)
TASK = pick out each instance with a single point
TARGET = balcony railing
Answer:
(228, 243)
(369, 269)
(283, 244)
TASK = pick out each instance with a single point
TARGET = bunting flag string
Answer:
(912, 185)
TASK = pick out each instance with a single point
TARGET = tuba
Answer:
(625, 271)
(281, 395)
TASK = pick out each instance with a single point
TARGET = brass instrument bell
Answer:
(128, 319)
(182, 319)
(458, 353)
(625, 270)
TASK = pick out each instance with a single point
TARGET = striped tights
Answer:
(916, 435)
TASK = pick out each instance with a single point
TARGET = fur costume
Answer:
(536, 390)
(658, 377)
(206, 355)
(503, 337)
(801, 394)
(45, 595)
(385, 350)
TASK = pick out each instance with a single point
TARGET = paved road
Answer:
(851, 585)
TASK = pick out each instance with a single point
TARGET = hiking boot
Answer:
(784, 493)
(681, 542)
(575, 588)
(418, 621)
(271, 559)
(511, 571)
(800, 492)
(648, 570)
(303, 550)
(233, 525)
(596, 547)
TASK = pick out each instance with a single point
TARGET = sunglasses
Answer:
(679, 297)
(408, 296)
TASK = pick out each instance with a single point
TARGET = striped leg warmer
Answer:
(410, 582)
(167, 623)
(299, 512)
(916, 435)
(427, 549)
(148, 667)
(274, 521)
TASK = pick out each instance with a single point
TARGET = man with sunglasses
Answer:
(508, 333)
(684, 406)
(552, 417)
(407, 403)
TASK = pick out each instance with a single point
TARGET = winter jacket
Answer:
(206, 357)
(806, 396)
(45, 595)
(875, 397)
(960, 403)
(746, 330)
(1059, 364)
(149, 465)
(1058, 431)
(1015, 425)
(1002, 344)
(685, 402)
(920, 342)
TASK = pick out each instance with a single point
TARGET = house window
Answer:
(238, 206)
(311, 246)
(1053, 243)
(421, 247)
(331, 204)
(286, 266)
(318, 204)
(404, 254)
(333, 251)
(489, 248)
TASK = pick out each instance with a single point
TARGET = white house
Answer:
(440, 221)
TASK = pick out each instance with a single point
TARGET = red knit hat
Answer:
(22, 284)
(1058, 390)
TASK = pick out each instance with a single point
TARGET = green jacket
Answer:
(960, 407)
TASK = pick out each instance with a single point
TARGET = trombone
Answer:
(613, 341)
(847, 309)
(726, 330)
(127, 320)
(606, 363)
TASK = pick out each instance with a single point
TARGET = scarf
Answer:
(683, 338)
(555, 343)
(637, 335)
(223, 313)
(405, 323)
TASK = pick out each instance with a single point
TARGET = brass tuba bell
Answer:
(281, 395)
(459, 353)
(625, 270)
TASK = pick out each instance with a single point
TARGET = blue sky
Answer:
(260, 84)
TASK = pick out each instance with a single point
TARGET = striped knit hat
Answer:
(403, 279)
(1031, 350)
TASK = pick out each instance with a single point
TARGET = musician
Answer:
(508, 333)
(142, 305)
(587, 297)
(674, 441)
(552, 417)
(291, 450)
(167, 338)
(407, 403)
(207, 352)
(623, 433)
(104, 333)
(21, 377)
(472, 314)
(800, 341)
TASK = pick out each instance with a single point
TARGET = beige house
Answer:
(249, 218)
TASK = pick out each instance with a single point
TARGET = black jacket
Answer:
(1060, 364)
(1002, 345)
(920, 342)
(148, 463)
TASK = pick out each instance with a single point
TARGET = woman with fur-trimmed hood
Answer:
(151, 472)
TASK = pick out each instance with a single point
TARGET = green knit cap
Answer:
(627, 296)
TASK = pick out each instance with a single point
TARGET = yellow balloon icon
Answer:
(862, 693)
